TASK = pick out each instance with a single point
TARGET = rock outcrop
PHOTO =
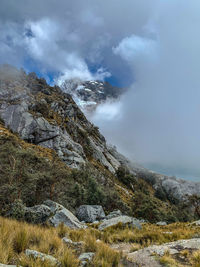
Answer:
(47, 116)
(146, 257)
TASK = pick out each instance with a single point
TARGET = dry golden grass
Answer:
(195, 259)
(40, 151)
(150, 234)
(105, 256)
(168, 261)
(16, 237)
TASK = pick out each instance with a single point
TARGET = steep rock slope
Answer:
(47, 117)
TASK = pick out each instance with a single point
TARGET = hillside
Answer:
(49, 150)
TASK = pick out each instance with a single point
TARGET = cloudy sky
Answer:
(152, 47)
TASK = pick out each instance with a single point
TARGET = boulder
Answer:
(161, 223)
(113, 214)
(63, 215)
(67, 241)
(124, 220)
(90, 213)
(44, 257)
(85, 258)
(37, 214)
(196, 223)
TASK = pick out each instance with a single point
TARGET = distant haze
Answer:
(151, 45)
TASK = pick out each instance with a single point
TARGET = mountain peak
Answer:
(89, 94)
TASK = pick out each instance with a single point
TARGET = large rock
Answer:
(37, 214)
(90, 213)
(44, 257)
(124, 220)
(63, 215)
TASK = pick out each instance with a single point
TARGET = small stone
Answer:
(67, 240)
(161, 223)
(84, 258)
(44, 257)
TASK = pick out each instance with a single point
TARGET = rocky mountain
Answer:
(45, 121)
(89, 94)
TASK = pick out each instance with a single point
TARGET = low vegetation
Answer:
(32, 174)
(185, 258)
(16, 237)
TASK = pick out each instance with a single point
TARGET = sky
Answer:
(151, 47)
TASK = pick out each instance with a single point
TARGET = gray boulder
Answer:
(161, 223)
(196, 223)
(37, 214)
(124, 220)
(90, 213)
(86, 258)
(44, 257)
(113, 214)
(63, 215)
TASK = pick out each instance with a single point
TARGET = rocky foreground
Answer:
(111, 240)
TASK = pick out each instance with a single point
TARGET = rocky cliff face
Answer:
(48, 117)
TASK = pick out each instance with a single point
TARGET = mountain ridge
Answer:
(45, 116)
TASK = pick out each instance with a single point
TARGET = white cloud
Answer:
(109, 111)
(135, 46)
(160, 125)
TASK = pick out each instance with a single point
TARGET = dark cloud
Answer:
(69, 37)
